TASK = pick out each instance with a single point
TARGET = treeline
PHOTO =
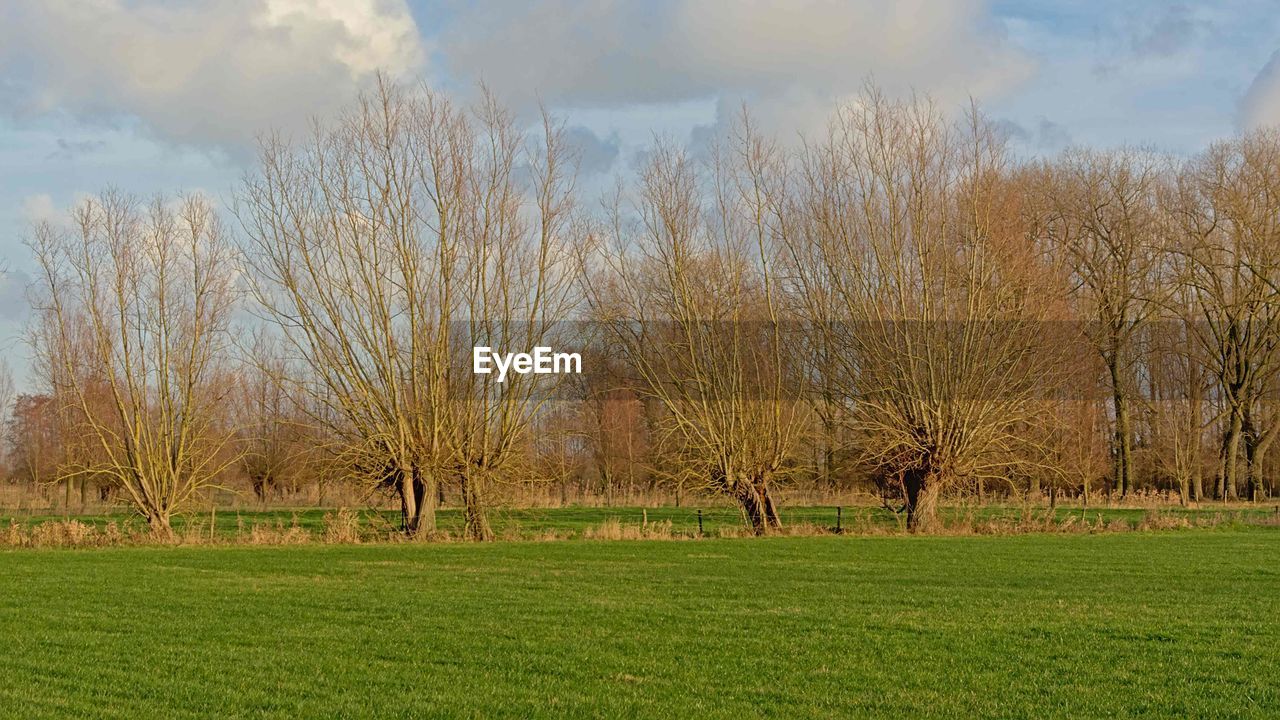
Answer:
(899, 305)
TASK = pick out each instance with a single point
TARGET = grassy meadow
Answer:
(569, 522)
(1145, 624)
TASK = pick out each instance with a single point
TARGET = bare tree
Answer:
(6, 387)
(389, 246)
(6, 400)
(1177, 380)
(337, 260)
(615, 432)
(280, 451)
(1228, 210)
(945, 355)
(506, 272)
(32, 440)
(691, 299)
(1105, 218)
(133, 330)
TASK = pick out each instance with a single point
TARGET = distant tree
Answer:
(132, 330)
(1106, 219)
(1228, 211)
(279, 447)
(33, 443)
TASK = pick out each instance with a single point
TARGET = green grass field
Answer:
(1169, 624)
(530, 522)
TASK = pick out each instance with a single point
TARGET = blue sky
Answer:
(155, 96)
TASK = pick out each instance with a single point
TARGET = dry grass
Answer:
(341, 526)
(61, 533)
(1156, 520)
(1033, 520)
(345, 526)
(614, 529)
(277, 533)
(805, 529)
(71, 533)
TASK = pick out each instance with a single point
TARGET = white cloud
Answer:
(201, 71)
(38, 208)
(789, 60)
(1261, 104)
(947, 47)
(219, 71)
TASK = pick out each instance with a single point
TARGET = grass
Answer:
(1164, 624)
(529, 522)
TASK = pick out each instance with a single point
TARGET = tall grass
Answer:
(345, 526)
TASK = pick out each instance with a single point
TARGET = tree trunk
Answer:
(1197, 471)
(922, 500)
(759, 512)
(426, 492)
(758, 508)
(828, 457)
(477, 525)
(158, 522)
(1229, 466)
(417, 493)
(1123, 438)
(752, 510)
(1249, 435)
(1257, 478)
(408, 503)
(771, 517)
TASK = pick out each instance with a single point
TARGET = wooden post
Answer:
(839, 514)
(699, 521)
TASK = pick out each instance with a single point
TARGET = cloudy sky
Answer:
(168, 95)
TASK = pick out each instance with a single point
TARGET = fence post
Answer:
(839, 514)
(699, 521)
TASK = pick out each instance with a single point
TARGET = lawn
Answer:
(1169, 624)
(531, 522)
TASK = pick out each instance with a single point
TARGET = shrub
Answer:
(62, 533)
(13, 535)
(342, 526)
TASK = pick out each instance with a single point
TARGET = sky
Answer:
(169, 96)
